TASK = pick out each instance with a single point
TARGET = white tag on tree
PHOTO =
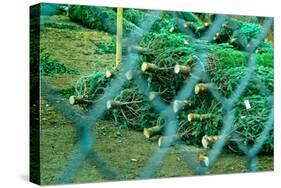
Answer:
(247, 104)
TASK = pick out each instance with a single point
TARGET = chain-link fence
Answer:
(85, 149)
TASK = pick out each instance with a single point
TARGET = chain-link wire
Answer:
(85, 124)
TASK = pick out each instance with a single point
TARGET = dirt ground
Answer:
(125, 150)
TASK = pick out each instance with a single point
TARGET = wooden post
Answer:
(119, 35)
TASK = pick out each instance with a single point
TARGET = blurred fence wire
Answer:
(85, 124)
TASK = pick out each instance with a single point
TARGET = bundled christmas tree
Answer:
(105, 19)
(166, 60)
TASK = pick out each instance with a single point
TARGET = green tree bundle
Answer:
(250, 118)
(165, 51)
(239, 33)
(89, 89)
(248, 122)
(101, 18)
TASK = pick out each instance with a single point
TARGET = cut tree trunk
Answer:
(109, 74)
(152, 95)
(202, 87)
(198, 117)
(166, 141)
(116, 104)
(207, 141)
(153, 131)
(202, 27)
(129, 75)
(180, 104)
(148, 67)
(113, 104)
(181, 69)
(76, 100)
(203, 160)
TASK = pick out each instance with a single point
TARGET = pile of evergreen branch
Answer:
(132, 110)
